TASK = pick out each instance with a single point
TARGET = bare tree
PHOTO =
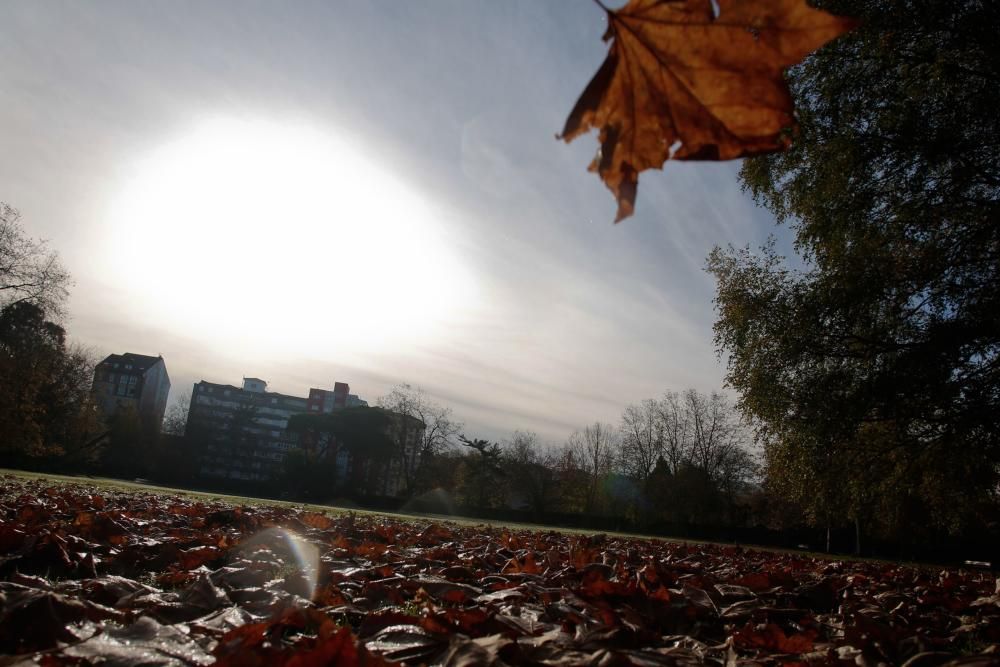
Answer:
(175, 421)
(597, 448)
(642, 439)
(571, 478)
(29, 271)
(676, 423)
(422, 420)
(718, 439)
(531, 471)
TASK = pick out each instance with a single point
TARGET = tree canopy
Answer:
(872, 366)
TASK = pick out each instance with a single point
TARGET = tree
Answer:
(642, 439)
(879, 353)
(530, 472)
(676, 427)
(433, 426)
(718, 444)
(572, 481)
(29, 271)
(481, 476)
(688, 454)
(175, 421)
(128, 450)
(45, 404)
(596, 449)
(365, 434)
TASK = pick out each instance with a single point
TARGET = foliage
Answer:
(687, 81)
(45, 404)
(367, 434)
(129, 445)
(481, 476)
(95, 575)
(872, 366)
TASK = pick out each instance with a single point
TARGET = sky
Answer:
(370, 192)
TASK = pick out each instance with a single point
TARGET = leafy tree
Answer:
(872, 364)
(481, 476)
(29, 271)
(364, 433)
(45, 404)
(128, 451)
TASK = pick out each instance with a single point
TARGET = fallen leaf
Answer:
(682, 82)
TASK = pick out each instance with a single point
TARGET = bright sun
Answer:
(263, 234)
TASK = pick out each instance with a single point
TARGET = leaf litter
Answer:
(97, 576)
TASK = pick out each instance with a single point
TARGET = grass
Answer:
(125, 485)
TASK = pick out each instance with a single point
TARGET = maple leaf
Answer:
(683, 81)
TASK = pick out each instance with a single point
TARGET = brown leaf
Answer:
(145, 643)
(32, 619)
(771, 637)
(316, 520)
(683, 83)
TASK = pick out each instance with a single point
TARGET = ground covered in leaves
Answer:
(98, 576)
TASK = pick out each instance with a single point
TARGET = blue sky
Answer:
(443, 169)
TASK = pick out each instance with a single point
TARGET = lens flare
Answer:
(296, 558)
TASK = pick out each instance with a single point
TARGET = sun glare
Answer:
(287, 236)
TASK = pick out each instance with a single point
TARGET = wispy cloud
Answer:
(571, 317)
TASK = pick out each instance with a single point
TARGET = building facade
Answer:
(136, 382)
(244, 430)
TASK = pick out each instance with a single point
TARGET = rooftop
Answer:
(140, 362)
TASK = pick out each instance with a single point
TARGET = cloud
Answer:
(572, 317)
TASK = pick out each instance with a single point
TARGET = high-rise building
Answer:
(132, 381)
(244, 430)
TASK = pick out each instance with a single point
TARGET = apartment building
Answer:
(132, 381)
(244, 430)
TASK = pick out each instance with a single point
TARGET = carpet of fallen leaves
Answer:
(98, 576)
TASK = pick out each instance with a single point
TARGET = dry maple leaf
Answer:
(694, 80)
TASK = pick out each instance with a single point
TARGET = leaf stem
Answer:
(602, 6)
